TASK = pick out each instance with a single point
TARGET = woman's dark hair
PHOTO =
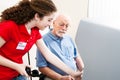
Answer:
(25, 10)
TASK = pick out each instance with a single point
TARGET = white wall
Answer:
(7, 3)
(76, 9)
(104, 8)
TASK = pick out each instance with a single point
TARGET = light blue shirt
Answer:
(63, 48)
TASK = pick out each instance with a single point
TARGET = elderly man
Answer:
(63, 47)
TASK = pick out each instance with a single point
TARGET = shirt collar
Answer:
(55, 37)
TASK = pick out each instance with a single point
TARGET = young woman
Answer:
(19, 30)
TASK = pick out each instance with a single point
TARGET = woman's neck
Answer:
(30, 25)
(28, 28)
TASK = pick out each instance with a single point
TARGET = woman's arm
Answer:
(2, 42)
(54, 75)
(8, 63)
(50, 57)
(18, 67)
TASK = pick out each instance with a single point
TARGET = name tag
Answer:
(21, 45)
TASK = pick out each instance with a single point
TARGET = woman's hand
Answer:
(67, 77)
(20, 68)
(79, 77)
(77, 74)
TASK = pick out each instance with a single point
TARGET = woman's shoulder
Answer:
(8, 24)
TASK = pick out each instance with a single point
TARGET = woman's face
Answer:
(45, 21)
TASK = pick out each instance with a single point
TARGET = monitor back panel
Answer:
(99, 46)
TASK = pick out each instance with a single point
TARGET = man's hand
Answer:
(67, 77)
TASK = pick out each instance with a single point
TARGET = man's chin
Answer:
(60, 35)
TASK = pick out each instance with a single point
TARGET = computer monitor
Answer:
(99, 45)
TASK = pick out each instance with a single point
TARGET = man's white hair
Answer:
(62, 14)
